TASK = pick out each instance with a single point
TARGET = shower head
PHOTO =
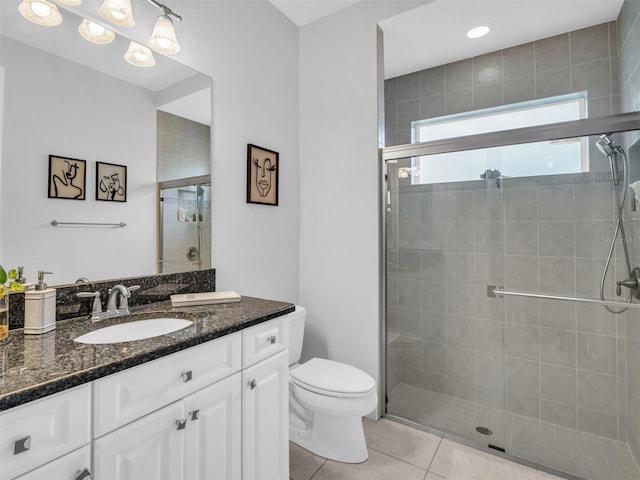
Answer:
(610, 148)
(607, 146)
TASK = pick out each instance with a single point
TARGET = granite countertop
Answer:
(34, 366)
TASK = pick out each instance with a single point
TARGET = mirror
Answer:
(64, 96)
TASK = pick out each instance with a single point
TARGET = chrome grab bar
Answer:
(494, 291)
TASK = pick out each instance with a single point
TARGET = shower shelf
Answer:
(493, 291)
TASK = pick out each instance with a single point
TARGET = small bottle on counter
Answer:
(40, 307)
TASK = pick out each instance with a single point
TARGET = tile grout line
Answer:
(396, 458)
(318, 469)
(434, 455)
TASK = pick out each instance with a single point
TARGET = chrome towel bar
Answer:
(56, 223)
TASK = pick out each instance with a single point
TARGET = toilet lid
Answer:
(332, 378)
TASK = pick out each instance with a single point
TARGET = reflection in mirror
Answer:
(67, 97)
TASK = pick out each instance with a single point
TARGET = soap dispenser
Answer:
(40, 307)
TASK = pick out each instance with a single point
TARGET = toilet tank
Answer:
(296, 333)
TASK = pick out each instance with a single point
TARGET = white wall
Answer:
(251, 51)
(339, 183)
(114, 123)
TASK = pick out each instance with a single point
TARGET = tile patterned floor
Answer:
(399, 452)
(563, 449)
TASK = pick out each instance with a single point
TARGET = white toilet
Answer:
(327, 401)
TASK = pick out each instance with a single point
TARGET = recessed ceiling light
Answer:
(479, 31)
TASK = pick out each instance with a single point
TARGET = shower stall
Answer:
(511, 319)
(185, 224)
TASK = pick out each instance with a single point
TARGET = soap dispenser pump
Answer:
(40, 307)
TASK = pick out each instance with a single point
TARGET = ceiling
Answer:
(434, 34)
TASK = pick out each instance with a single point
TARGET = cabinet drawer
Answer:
(73, 466)
(40, 431)
(128, 395)
(263, 340)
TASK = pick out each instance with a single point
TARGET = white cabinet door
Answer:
(150, 448)
(265, 419)
(213, 437)
(40, 431)
(73, 466)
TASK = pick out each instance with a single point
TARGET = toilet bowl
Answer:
(327, 401)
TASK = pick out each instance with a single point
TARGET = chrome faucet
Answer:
(123, 293)
(114, 308)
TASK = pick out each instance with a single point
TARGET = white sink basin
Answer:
(138, 330)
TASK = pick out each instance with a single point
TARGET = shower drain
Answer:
(484, 431)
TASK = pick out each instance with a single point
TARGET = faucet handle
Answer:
(133, 288)
(97, 306)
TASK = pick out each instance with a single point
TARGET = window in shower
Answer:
(545, 158)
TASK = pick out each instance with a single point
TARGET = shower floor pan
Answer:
(558, 448)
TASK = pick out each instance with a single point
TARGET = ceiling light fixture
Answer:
(163, 38)
(118, 12)
(95, 33)
(40, 12)
(139, 55)
(479, 31)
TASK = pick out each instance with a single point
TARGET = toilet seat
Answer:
(333, 379)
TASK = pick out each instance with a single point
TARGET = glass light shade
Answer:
(163, 39)
(40, 12)
(139, 55)
(95, 33)
(118, 12)
(70, 3)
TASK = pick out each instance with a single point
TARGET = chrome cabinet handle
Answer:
(22, 445)
(252, 384)
(195, 415)
(271, 339)
(187, 376)
(181, 424)
(83, 475)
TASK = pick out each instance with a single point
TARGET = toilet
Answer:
(327, 401)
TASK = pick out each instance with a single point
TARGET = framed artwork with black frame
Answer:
(67, 178)
(111, 182)
(262, 175)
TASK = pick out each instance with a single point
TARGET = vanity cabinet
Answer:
(44, 430)
(215, 411)
(196, 438)
(265, 419)
(265, 401)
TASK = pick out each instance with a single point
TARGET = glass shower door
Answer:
(542, 373)
(185, 225)
(445, 364)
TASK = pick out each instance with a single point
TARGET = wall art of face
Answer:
(264, 175)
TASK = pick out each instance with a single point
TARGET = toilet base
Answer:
(334, 437)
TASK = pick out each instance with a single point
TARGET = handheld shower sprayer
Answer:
(615, 153)
(609, 148)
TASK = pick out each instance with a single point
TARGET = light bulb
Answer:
(70, 3)
(40, 9)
